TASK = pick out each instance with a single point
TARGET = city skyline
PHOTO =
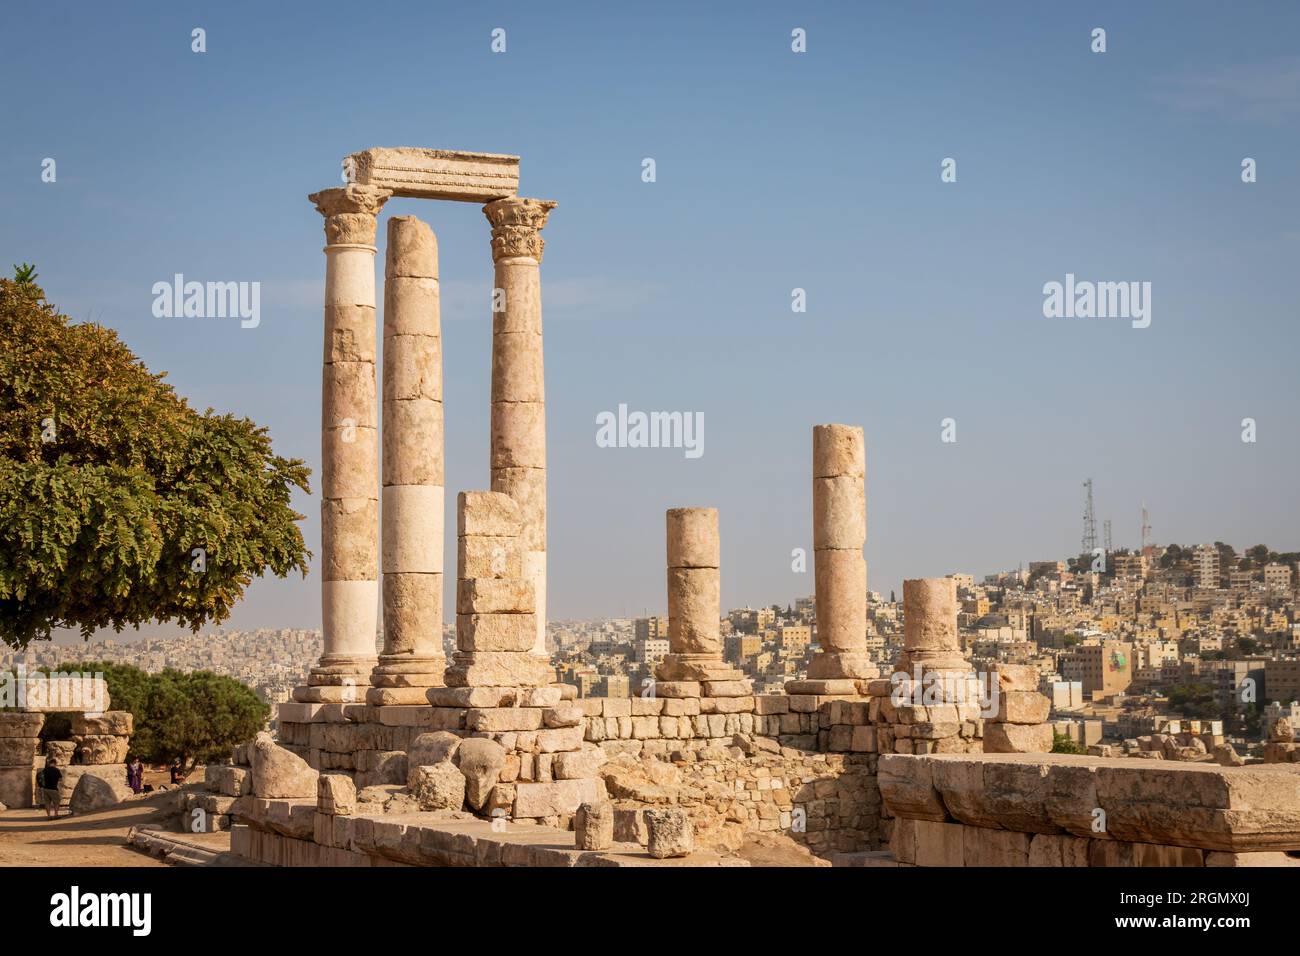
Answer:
(924, 298)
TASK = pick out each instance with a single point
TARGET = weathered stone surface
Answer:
(480, 761)
(501, 719)
(1225, 755)
(228, 781)
(564, 716)
(94, 793)
(487, 514)
(1016, 677)
(517, 374)
(1281, 731)
(18, 751)
(414, 426)
(907, 786)
(495, 632)
(1199, 805)
(841, 588)
(279, 773)
(477, 596)
(671, 833)
(839, 513)
(498, 669)
(693, 538)
(432, 748)
(117, 723)
(1017, 738)
(336, 794)
(438, 787)
(489, 557)
(694, 602)
(20, 724)
(102, 748)
(930, 614)
(577, 764)
(556, 798)
(436, 173)
(839, 450)
(412, 248)
(1023, 707)
(593, 826)
(1046, 849)
(518, 435)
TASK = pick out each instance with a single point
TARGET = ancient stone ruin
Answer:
(95, 746)
(485, 760)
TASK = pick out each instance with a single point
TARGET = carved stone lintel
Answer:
(516, 223)
(350, 213)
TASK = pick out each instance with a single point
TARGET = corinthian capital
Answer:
(516, 223)
(350, 213)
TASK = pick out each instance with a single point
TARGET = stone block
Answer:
(669, 833)
(559, 797)
(438, 787)
(1002, 738)
(1023, 707)
(478, 596)
(495, 632)
(436, 173)
(593, 826)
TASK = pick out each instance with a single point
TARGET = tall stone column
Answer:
(839, 532)
(518, 395)
(930, 637)
(412, 659)
(694, 666)
(349, 447)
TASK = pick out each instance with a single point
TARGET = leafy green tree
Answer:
(1062, 744)
(1257, 556)
(120, 504)
(196, 716)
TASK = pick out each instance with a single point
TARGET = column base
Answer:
(842, 665)
(830, 687)
(946, 663)
(700, 675)
(403, 679)
(498, 669)
(336, 681)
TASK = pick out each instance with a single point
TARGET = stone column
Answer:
(495, 605)
(930, 637)
(518, 397)
(349, 447)
(839, 532)
(412, 659)
(694, 666)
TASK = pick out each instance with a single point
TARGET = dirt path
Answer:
(27, 838)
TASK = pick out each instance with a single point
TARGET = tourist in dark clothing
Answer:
(178, 772)
(135, 776)
(49, 782)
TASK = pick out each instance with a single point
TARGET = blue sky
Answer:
(775, 170)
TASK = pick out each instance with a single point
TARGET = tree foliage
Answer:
(109, 481)
(1062, 744)
(197, 716)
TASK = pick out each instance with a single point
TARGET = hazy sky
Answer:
(775, 170)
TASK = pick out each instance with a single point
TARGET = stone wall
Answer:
(99, 742)
(1065, 810)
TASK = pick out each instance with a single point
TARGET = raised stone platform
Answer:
(1066, 810)
(290, 833)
